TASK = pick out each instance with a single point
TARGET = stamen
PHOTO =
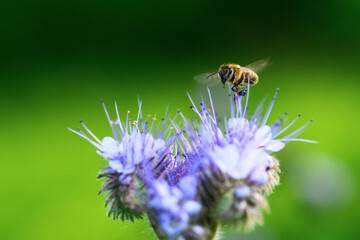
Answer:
(120, 123)
(194, 108)
(226, 125)
(140, 117)
(202, 106)
(174, 119)
(239, 106)
(152, 124)
(205, 113)
(231, 102)
(87, 138)
(270, 108)
(247, 97)
(163, 128)
(186, 143)
(192, 132)
(93, 135)
(257, 116)
(276, 126)
(139, 113)
(298, 140)
(108, 117)
(297, 131)
(127, 120)
(287, 127)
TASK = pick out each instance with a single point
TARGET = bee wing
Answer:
(210, 79)
(258, 65)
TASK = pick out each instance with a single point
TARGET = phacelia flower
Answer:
(174, 208)
(190, 176)
(236, 160)
(132, 147)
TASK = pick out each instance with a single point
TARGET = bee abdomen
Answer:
(254, 79)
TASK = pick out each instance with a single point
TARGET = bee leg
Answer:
(223, 82)
(243, 92)
(236, 92)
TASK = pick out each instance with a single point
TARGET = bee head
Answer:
(224, 74)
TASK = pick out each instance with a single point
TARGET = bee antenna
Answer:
(212, 74)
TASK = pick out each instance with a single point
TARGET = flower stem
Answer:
(214, 231)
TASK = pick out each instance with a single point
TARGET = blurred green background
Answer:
(59, 58)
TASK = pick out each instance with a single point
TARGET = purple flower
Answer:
(237, 158)
(132, 148)
(188, 176)
(174, 207)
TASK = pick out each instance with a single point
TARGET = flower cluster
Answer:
(191, 176)
(173, 209)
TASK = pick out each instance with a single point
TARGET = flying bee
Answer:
(236, 75)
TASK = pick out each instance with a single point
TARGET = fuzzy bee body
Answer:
(236, 75)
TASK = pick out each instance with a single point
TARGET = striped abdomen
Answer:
(248, 75)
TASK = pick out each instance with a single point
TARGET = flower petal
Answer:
(262, 136)
(274, 145)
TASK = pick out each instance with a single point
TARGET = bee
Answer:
(236, 75)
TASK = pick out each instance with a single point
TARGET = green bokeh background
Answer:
(59, 58)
